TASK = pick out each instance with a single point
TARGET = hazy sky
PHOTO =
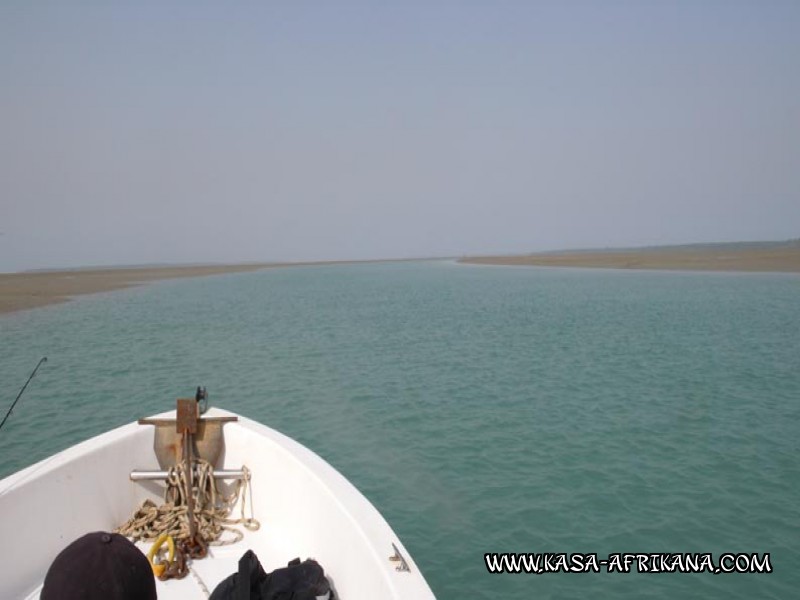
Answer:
(145, 132)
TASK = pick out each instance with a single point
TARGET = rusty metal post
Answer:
(186, 415)
(187, 464)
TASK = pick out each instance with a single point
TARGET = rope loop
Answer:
(212, 509)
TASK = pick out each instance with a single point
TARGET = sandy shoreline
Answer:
(20, 291)
(779, 257)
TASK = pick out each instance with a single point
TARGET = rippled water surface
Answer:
(481, 409)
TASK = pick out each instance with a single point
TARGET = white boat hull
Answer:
(305, 507)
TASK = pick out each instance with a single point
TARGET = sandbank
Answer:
(755, 256)
(32, 289)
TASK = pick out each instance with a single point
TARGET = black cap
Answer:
(98, 566)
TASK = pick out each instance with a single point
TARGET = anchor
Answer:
(190, 431)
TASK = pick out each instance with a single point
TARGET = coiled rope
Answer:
(212, 509)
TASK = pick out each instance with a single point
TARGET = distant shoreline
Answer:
(783, 257)
(34, 289)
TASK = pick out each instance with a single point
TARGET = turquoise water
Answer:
(481, 409)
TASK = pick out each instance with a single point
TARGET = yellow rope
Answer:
(211, 509)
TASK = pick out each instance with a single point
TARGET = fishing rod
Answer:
(8, 414)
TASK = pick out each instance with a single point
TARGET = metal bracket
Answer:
(186, 416)
(397, 557)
